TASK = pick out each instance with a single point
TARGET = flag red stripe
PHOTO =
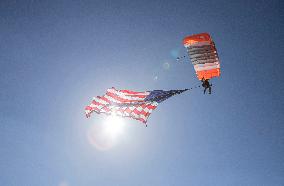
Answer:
(132, 92)
(139, 111)
(105, 99)
(128, 93)
(121, 100)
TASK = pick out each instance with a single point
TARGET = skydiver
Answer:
(206, 85)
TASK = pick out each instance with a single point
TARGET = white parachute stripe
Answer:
(203, 54)
(204, 58)
(199, 68)
(205, 61)
(200, 49)
(206, 67)
(207, 64)
(199, 43)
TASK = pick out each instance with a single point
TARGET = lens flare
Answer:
(166, 66)
(103, 136)
(114, 126)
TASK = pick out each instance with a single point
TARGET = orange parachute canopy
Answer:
(203, 55)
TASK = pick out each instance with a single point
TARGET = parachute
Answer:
(203, 55)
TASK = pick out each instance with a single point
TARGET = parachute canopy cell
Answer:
(203, 55)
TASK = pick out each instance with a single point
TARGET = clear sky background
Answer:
(56, 55)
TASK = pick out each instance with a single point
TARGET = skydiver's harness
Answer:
(196, 86)
(199, 86)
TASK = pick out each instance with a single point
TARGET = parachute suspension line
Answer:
(180, 58)
(194, 87)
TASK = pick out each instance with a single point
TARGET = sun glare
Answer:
(113, 126)
(105, 135)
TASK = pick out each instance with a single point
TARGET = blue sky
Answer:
(56, 55)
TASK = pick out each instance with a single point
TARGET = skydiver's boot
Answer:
(210, 90)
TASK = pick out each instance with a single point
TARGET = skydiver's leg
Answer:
(204, 90)
(210, 90)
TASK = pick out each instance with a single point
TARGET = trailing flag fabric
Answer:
(126, 103)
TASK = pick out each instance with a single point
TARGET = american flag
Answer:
(127, 103)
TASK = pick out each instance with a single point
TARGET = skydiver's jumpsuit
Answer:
(206, 85)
